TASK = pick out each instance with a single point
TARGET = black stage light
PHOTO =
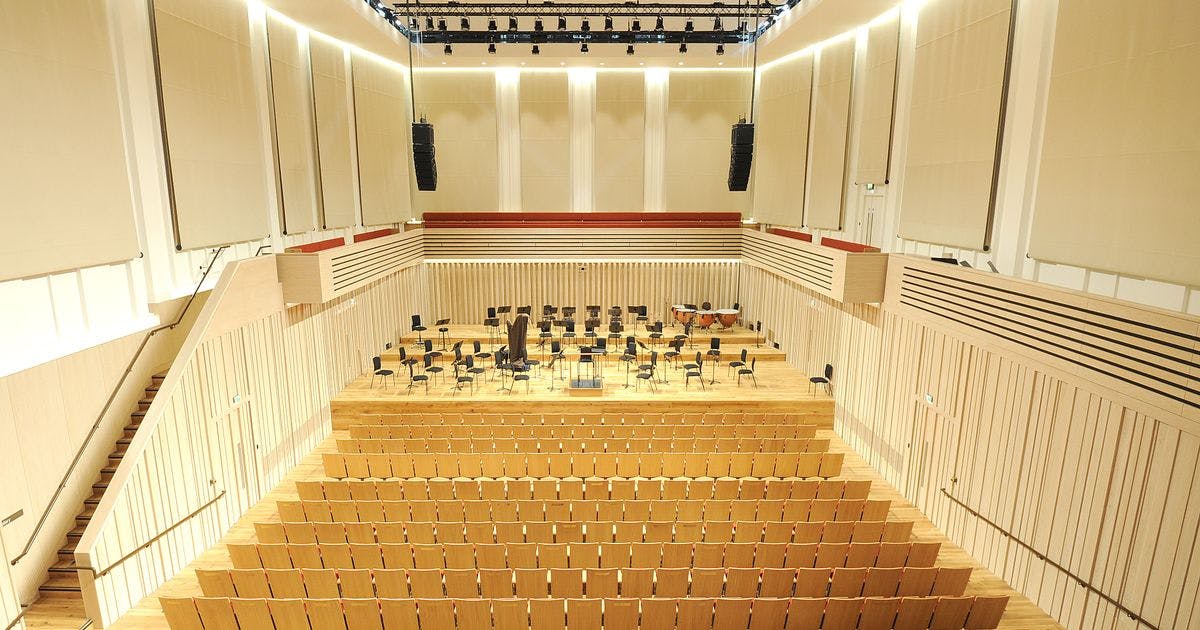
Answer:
(562, 23)
(491, 49)
(536, 50)
(717, 23)
(658, 23)
(464, 23)
(441, 24)
(689, 26)
(584, 26)
(537, 25)
(607, 23)
(629, 49)
(512, 23)
(491, 24)
(636, 26)
(720, 49)
(448, 50)
(683, 47)
(428, 23)
(583, 48)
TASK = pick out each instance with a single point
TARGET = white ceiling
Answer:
(810, 22)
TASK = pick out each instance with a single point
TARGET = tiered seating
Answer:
(473, 521)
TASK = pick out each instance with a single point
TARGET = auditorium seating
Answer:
(671, 520)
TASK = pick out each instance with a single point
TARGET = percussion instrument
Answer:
(675, 311)
(728, 317)
(684, 315)
(705, 319)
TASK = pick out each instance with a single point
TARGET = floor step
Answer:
(64, 565)
(61, 581)
(85, 515)
(95, 498)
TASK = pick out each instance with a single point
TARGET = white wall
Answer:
(1020, 157)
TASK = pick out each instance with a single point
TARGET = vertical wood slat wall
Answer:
(464, 290)
(1094, 481)
(248, 404)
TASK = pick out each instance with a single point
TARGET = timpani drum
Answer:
(675, 312)
(728, 317)
(685, 315)
(705, 319)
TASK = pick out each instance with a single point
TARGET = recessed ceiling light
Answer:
(681, 63)
(562, 63)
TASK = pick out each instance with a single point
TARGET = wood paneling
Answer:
(844, 276)
(321, 276)
(583, 244)
(1092, 476)
(248, 398)
(464, 290)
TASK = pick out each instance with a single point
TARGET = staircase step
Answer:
(86, 513)
(64, 565)
(157, 379)
(95, 498)
(132, 428)
(61, 581)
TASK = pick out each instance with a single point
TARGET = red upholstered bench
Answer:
(800, 236)
(542, 220)
(310, 248)
(366, 236)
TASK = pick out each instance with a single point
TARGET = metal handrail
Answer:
(111, 397)
(1041, 556)
(196, 512)
(21, 615)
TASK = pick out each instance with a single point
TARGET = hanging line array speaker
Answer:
(741, 154)
(424, 159)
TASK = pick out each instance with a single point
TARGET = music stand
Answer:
(442, 330)
(524, 309)
(502, 311)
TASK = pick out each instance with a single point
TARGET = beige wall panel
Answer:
(463, 291)
(210, 107)
(67, 201)
(462, 108)
(545, 142)
(702, 107)
(619, 165)
(1118, 185)
(781, 141)
(334, 135)
(291, 95)
(831, 127)
(879, 94)
(958, 86)
(382, 118)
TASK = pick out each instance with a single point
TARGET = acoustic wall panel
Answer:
(879, 97)
(954, 121)
(462, 107)
(545, 142)
(332, 111)
(382, 120)
(62, 168)
(1118, 185)
(213, 135)
(619, 145)
(781, 145)
(291, 98)
(702, 106)
(831, 127)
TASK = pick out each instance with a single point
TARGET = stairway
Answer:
(64, 579)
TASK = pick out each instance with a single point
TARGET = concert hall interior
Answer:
(580, 314)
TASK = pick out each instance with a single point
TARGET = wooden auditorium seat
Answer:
(583, 445)
(483, 431)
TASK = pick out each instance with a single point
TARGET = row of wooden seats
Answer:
(591, 531)
(380, 432)
(598, 465)
(589, 583)
(597, 489)
(578, 419)
(583, 445)
(633, 512)
(579, 555)
(870, 613)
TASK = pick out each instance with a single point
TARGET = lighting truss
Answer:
(759, 16)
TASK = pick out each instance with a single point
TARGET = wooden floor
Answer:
(780, 387)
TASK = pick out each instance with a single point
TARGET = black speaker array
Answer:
(741, 153)
(424, 160)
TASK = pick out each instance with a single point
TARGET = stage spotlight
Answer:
(491, 49)
(607, 23)
(464, 23)
(658, 23)
(720, 49)
(583, 48)
(629, 49)
(491, 24)
(584, 26)
(683, 47)
(689, 26)
(537, 25)
(742, 26)
(428, 23)
(448, 50)
(717, 23)
(512, 23)
(562, 23)
(414, 24)
(536, 50)
(441, 24)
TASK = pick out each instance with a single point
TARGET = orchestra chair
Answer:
(656, 332)
(468, 363)
(646, 372)
(544, 333)
(748, 371)
(642, 317)
(414, 378)
(738, 363)
(432, 369)
(377, 366)
(694, 370)
(418, 328)
(826, 380)
(479, 353)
